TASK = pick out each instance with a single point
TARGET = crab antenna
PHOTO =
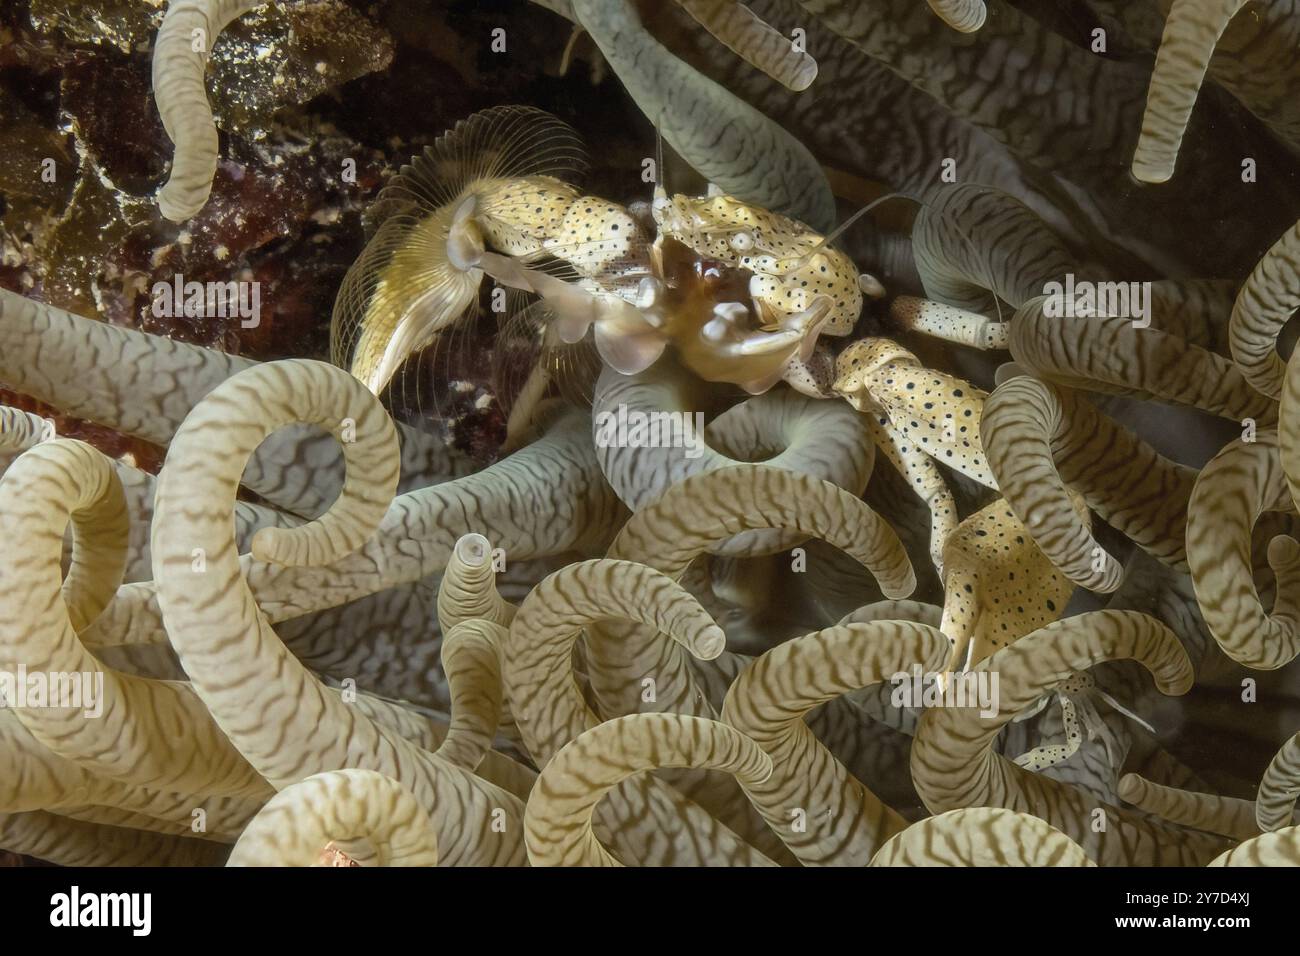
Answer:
(840, 229)
(659, 159)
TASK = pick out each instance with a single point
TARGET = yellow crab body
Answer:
(793, 271)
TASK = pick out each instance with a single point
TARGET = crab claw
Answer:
(626, 341)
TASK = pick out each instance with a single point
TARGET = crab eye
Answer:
(742, 242)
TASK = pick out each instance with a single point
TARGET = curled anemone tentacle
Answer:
(976, 246)
(824, 440)
(549, 498)
(551, 711)
(981, 836)
(1191, 32)
(824, 815)
(954, 764)
(1269, 297)
(687, 521)
(181, 50)
(97, 515)
(1279, 848)
(257, 692)
(1275, 805)
(724, 138)
(539, 677)
(570, 790)
(134, 739)
(20, 430)
(371, 818)
(67, 842)
(1233, 490)
(468, 590)
(1108, 354)
(1042, 441)
(738, 28)
(1207, 812)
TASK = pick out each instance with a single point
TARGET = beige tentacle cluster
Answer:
(822, 439)
(239, 667)
(549, 498)
(144, 385)
(607, 672)
(133, 740)
(824, 815)
(954, 764)
(646, 821)
(559, 815)
(692, 517)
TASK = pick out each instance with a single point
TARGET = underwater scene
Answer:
(649, 433)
